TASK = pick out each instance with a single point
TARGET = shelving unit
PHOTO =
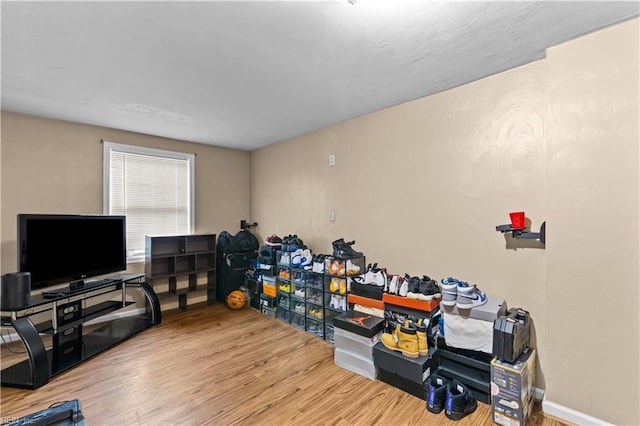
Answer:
(283, 286)
(310, 300)
(182, 260)
(336, 289)
(64, 318)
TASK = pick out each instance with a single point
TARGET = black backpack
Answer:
(244, 241)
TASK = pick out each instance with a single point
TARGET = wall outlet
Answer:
(332, 216)
(332, 159)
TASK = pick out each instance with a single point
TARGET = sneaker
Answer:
(318, 264)
(336, 267)
(352, 268)
(449, 291)
(459, 402)
(342, 303)
(273, 241)
(335, 303)
(342, 250)
(334, 285)
(284, 259)
(296, 257)
(285, 242)
(413, 286)
(306, 259)
(393, 285)
(429, 289)
(378, 277)
(404, 287)
(469, 296)
(437, 393)
(343, 285)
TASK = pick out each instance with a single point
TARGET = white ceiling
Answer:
(247, 74)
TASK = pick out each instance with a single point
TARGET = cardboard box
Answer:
(416, 370)
(354, 363)
(405, 302)
(359, 323)
(512, 389)
(365, 301)
(416, 389)
(468, 333)
(269, 290)
(355, 344)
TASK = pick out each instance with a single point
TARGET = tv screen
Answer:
(69, 248)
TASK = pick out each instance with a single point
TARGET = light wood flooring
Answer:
(215, 366)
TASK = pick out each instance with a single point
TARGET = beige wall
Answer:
(421, 187)
(52, 166)
(592, 207)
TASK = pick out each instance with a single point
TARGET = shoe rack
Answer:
(283, 286)
(310, 300)
(336, 280)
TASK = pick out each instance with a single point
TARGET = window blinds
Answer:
(153, 191)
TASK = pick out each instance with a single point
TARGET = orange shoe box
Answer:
(269, 290)
(421, 305)
(365, 301)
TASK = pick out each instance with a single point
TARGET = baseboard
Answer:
(570, 415)
(13, 337)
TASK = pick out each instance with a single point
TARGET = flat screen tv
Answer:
(59, 248)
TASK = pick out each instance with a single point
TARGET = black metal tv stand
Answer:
(68, 310)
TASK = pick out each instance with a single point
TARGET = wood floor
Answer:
(215, 366)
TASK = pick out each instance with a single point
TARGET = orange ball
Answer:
(236, 299)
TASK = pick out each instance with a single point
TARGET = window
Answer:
(153, 188)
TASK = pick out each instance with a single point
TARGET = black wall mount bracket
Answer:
(245, 225)
(521, 232)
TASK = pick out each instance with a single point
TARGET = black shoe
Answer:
(437, 393)
(342, 250)
(428, 289)
(413, 286)
(460, 401)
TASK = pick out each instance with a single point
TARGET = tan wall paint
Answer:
(52, 166)
(592, 208)
(421, 187)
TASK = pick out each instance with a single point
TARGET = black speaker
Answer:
(15, 291)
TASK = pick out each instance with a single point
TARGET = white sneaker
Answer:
(393, 285)
(306, 259)
(352, 268)
(404, 288)
(296, 257)
(335, 304)
(343, 303)
(379, 278)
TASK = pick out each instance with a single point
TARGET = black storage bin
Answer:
(472, 368)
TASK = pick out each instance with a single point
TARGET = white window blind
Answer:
(153, 188)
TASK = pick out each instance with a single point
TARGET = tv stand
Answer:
(68, 313)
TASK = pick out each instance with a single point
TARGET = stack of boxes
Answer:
(355, 335)
(512, 389)
(465, 351)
